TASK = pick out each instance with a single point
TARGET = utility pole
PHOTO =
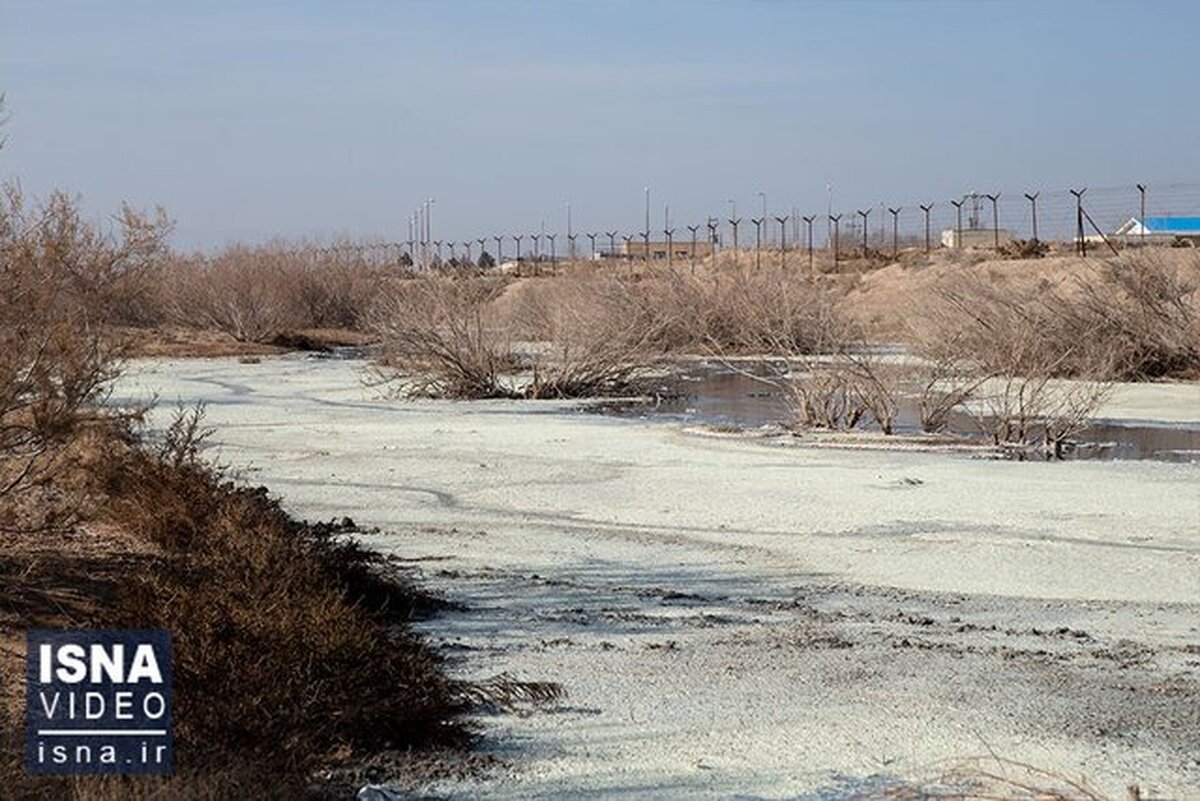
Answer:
(895, 231)
(1032, 198)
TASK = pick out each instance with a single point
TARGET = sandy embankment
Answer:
(731, 618)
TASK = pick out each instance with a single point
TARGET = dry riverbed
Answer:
(732, 618)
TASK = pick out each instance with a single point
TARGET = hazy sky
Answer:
(251, 120)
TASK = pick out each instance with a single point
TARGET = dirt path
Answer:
(732, 619)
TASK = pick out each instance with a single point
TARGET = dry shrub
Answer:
(1011, 346)
(597, 332)
(744, 311)
(1025, 249)
(442, 337)
(453, 336)
(257, 294)
(1145, 308)
(63, 280)
(288, 642)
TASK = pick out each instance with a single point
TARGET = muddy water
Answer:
(717, 395)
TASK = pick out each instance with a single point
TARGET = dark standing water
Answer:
(719, 396)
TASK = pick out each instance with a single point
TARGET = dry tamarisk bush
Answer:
(598, 333)
(441, 336)
(61, 279)
(1032, 370)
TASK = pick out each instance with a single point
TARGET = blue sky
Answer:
(253, 120)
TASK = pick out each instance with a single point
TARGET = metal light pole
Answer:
(1032, 198)
(808, 221)
(895, 231)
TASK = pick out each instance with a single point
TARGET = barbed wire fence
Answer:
(1022, 213)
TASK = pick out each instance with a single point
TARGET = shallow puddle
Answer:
(717, 395)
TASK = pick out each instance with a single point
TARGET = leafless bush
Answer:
(240, 291)
(597, 332)
(1011, 348)
(1025, 249)
(257, 294)
(61, 280)
(442, 337)
(1145, 309)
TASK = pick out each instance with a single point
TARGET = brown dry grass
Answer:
(291, 643)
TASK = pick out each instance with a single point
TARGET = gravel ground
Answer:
(743, 618)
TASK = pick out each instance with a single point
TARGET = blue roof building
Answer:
(1161, 226)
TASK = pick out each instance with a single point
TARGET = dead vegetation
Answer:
(292, 647)
(63, 279)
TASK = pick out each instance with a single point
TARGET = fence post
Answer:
(926, 208)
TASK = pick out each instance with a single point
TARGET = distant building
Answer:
(634, 249)
(1160, 229)
(975, 238)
